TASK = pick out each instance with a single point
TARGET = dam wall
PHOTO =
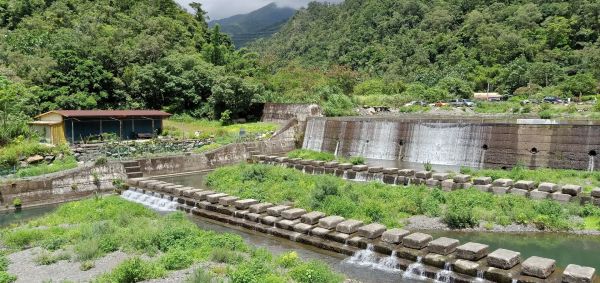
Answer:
(459, 142)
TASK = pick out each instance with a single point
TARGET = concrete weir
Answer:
(417, 254)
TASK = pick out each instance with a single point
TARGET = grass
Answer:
(323, 156)
(186, 127)
(390, 205)
(67, 163)
(95, 227)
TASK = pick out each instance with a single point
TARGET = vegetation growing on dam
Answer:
(324, 156)
(390, 205)
(88, 230)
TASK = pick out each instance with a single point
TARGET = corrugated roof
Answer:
(109, 113)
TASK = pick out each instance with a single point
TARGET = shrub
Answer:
(252, 271)
(357, 160)
(200, 276)
(101, 161)
(225, 256)
(7, 278)
(176, 259)
(17, 202)
(87, 265)
(427, 166)
(22, 238)
(288, 260)
(3, 263)
(87, 250)
(314, 272)
(311, 154)
(546, 114)
(134, 270)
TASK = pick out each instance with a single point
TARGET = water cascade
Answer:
(591, 163)
(445, 275)
(480, 276)
(345, 175)
(390, 262)
(337, 148)
(151, 200)
(415, 270)
(368, 258)
(361, 176)
(314, 135)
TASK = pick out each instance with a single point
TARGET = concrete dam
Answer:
(474, 143)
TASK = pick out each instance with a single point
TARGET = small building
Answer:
(76, 126)
(487, 96)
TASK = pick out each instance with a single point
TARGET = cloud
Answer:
(218, 9)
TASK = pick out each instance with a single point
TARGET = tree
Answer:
(233, 94)
(200, 15)
(579, 85)
(456, 87)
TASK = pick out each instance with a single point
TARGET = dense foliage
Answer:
(433, 50)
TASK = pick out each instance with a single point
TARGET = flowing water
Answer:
(152, 200)
(12, 217)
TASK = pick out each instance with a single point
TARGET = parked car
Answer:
(416, 103)
(440, 104)
(552, 99)
(462, 102)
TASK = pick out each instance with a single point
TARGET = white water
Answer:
(591, 163)
(415, 270)
(480, 276)
(345, 175)
(314, 135)
(368, 258)
(361, 176)
(444, 275)
(390, 262)
(337, 148)
(151, 200)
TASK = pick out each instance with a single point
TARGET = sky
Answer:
(218, 9)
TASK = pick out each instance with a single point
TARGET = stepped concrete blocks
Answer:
(519, 192)
(330, 222)
(443, 246)
(406, 172)
(466, 267)
(376, 169)
(277, 210)
(331, 164)
(203, 195)
(240, 214)
(260, 207)
(484, 188)
(524, 185)
(245, 204)
(548, 187)
(503, 183)
(424, 175)
(293, 213)
(371, 231)
(318, 163)
(345, 166)
(482, 181)
(448, 185)
(254, 217)
(320, 231)
(390, 179)
(360, 168)
(282, 159)
(464, 185)
(538, 195)
(287, 224)
(596, 193)
(303, 228)
(462, 178)
(390, 171)
(472, 251)
(560, 197)
(349, 226)
(417, 241)
(269, 220)
(504, 259)
(500, 190)
(436, 260)
(306, 162)
(394, 236)
(440, 176)
(312, 218)
(433, 183)
(578, 274)
(538, 267)
(228, 201)
(214, 198)
(338, 237)
(572, 190)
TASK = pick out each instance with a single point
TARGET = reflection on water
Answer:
(8, 218)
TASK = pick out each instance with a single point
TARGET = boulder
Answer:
(482, 181)
(578, 274)
(443, 246)
(371, 231)
(330, 222)
(573, 190)
(394, 236)
(472, 251)
(349, 226)
(538, 267)
(34, 159)
(548, 187)
(504, 259)
(417, 240)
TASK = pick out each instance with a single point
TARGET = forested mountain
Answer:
(261, 23)
(448, 45)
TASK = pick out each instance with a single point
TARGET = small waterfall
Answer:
(151, 200)
(480, 276)
(345, 175)
(378, 177)
(315, 134)
(591, 163)
(390, 262)
(445, 275)
(361, 176)
(337, 148)
(415, 270)
(515, 281)
(369, 258)
(304, 170)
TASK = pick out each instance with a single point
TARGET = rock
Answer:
(538, 195)
(596, 192)
(504, 259)
(548, 187)
(320, 232)
(465, 267)
(34, 159)
(525, 185)
(443, 246)
(560, 197)
(572, 190)
(406, 172)
(260, 207)
(245, 203)
(49, 158)
(416, 240)
(484, 188)
(432, 183)
(424, 175)
(371, 231)
(500, 190)
(440, 176)
(359, 168)
(375, 169)
(293, 213)
(312, 218)
(578, 274)
(538, 267)
(288, 224)
(228, 201)
(277, 210)
(503, 183)
(330, 222)
(390, 171)
(482, 181)
(472, 251)
(394, 236)
(462, 178)
(349, 226)
(519, 192)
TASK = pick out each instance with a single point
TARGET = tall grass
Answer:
(323, 156)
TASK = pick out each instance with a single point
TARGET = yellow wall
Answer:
(58, 134)
(51, 117)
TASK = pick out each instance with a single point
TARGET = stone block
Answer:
(462, 178)
(345, 166)
(330, 222)
(596, 193)
(394, 236)
(464, 185)
(287, 224)
(269, 220)
(424, 175)
(578, 274)
(482, 181)
(572, 190)
(538, 267)
(524, 185)
(277, 210)
(443, 246)
(260, 207)
(202, 195)
(484, 188)
(349, 226)
(214, 198)
(433, 183)
(302, 228)
(448, 185)
(472, 251)
(312, 218)
(465, 267)
(535, 194)
(228, 201)
(596, 201)
(440, 176)
(253, 217)
(331, 164)
(560, 197)
(390, 171)
(282, 159)
(503, 183)
(500, 190)
(306, 162)
(406, 172)
(293, 213)
(371, 231)
(360, 168)
(548, 187)
(320, 231)
(417, 240)
(375, 169)
(390, 179)
(317, 163)
(519, 192)
(244, 203)
(504, 259)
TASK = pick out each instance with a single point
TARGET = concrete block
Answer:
(214, 198)
(578, 274)
(376, 169)
(560, 197)
(464, 185)
(448, 185)
(472, 251)
(440, 176)
(596, 193)
(345, 166)
(331, 164)
(406, 172)
(596, 201)
(203, 194)
(228, 201)
(443, 246)
(519, 192)
(360, 168)
(330, 222)
(500, 190)
(277, 210)
(269, 220)
(245, 203)
(417, 240)
(394, 236)
(312, 218)
(349, 226)
(548, 187)
(254, 217)
(503, 183)
(260, 207)
(390, 171)
(317, 163)
(287, 224)
(504, 259)
(293, 213)
(538, 267)
(535, 194)
(572, 190)
(465, 267)
(482, 181)
(524, 185)
(432, 183)
(303, 228)
(424, 175)
(320, 231)
(371, 231)
(462, 178)
(484, 188)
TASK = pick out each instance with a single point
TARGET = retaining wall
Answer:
(281, 112)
